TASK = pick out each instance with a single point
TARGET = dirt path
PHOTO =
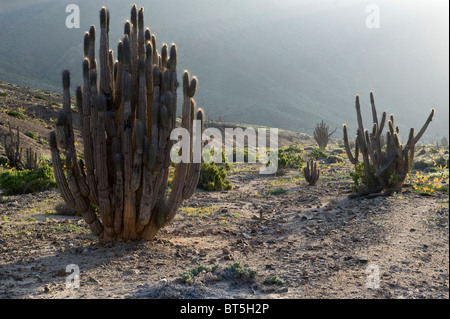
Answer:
(407, 249)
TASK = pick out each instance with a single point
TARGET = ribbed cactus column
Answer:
(311, 172)
(127, 111)
(384, 169)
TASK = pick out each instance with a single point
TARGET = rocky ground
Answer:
(268, 237)
(315, 240)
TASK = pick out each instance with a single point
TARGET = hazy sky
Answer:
(292, 60)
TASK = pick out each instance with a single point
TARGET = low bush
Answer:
(214, 177)
(16, 114)
(40, 97)
(317, 153)
(238, 271)
(290, 157)
(34, 136)
(187, 277)
(27, 181)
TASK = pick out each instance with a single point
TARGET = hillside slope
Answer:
(35, 111)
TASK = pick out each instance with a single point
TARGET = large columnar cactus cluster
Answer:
(127, 111)
(385, 166)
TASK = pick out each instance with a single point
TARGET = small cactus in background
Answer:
(126, 121)
(311, 172)
(383, 170)
(321, 135)
(11, 143)
(31, 160)
(13, 151)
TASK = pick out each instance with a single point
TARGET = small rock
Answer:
(348, 258)
(130, 272)
(284, 290)
(246, 236)
(363, 260)
(14, 203)
(61, 273)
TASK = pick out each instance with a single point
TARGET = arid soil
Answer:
(297, 241)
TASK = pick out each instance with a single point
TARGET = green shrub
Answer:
(27, 181)
(240, 152)
(317, 153)
(276, 192)
(34, 136)
(361, 183)
(238, 271)
(290, 160)
(441, 161)
(332, 159)
(16, 114)
(187, 277)
(275, 280)
(294, 148)
(433, 150)
(423, 164)
(290, 157)
(3, 94)
(214, 177)
(40, 97)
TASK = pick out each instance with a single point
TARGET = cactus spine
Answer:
(311, 172)
(321, 135)
(127, 109)
(384, 170)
